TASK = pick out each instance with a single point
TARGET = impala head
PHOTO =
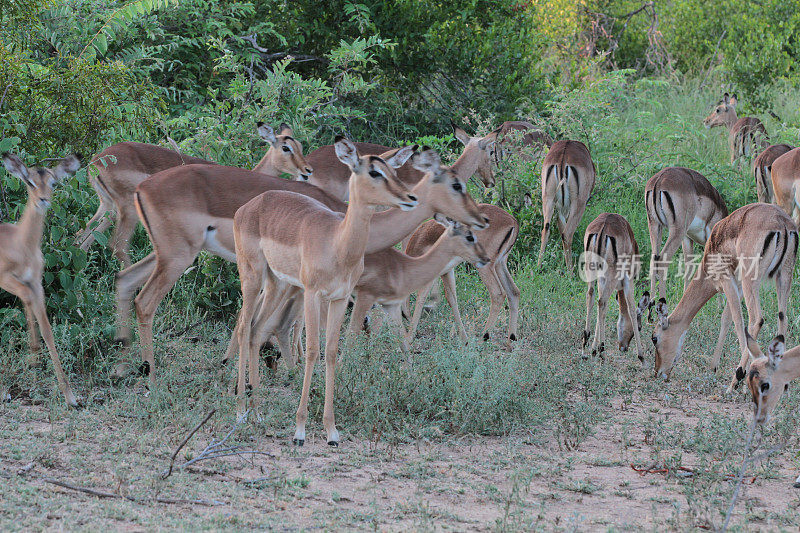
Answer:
(481, 150)
(446, 192)
(40, 181)
(667, 340)
(465, 245)
(285, 152)
(625, 328)
(374, 178)
(724, 113)
(765, 389)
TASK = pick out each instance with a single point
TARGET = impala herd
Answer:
(306, 247)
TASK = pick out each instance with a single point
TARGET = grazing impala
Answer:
(786, 183)
(190, 208)
(762, 171)
(287, 242)
(122, 167)
(754, 243)
(746, 135)
(333, 176)
(612, 261)
(568, 176)
(21, 259)
(687, 205)
(390, 276)
(497, 240)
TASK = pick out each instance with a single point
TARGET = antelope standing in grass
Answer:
(786, 183)
(390, 276)
(532, 137)
(122, 167)
(754, 243)
(568, 177)
(332, 176)
(687, 205)
(21, 258)
(746, 135)
(287, 242)
(191, 208)
(762, 171)
(497, 241)
(612, 263)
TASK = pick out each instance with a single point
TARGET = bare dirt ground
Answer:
(474, 483)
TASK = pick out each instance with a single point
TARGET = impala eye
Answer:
(457, 187)
(470, 238)
(375, 174)
(287, 149)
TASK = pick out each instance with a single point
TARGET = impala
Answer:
(532, 137)
(190, 208)
(497, 240)
(287, 242)
(762, 171)
(441, 190)
(785, 183)
(611, 261)
(21, 259)
(390, 276)
(754, 243)
(684, 202)
(333, 176)
(745, 135)
(122, 167)
(568, 176)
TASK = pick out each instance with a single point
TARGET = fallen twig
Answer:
(183, 443)
(104, 494)
(740, 478)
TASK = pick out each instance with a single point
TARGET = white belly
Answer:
(212, 245)
(698, 230)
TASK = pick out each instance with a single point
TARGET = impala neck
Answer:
(266, 166)
(467, 163)
(393, 225)
(419, 271)
(31, 224)
(697, 294)
(353, 232)
(733, 117)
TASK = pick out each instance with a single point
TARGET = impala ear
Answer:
(16, 167)
(285, 129)
(644, 302)
(68, 166)
(266, 132)
(775, 351)
(734, 100)
(490, 139)
(426, 161)
(400, 156)
(462, 136)
(662, 314)
(726, 99)
(347, 153)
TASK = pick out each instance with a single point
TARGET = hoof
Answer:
(333, 443)
(144, 368)
(739, 375)
(299, 442)
(512, 337)
(486, 336)
(248, 390)
(124, 342)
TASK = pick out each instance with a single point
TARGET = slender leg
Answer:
(627, 289)
(606, 289)
(547, 209)
(99, 222)
(359, 313)
(512, 293)
(396, 316)
(783, 284)
(126, 225)
(670, 247)
(32, 295)
(311, 310)
(752, 301)
(336, 311)
(735, 303)
(161, 281)
(422, 294)
(497, 296)
(450, 294)
(687, 254)
(586, 332)
(128, 281)
(655, 229)
(724, 325)
(33, 336)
